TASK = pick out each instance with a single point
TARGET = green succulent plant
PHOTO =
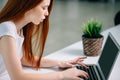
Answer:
(92, 29)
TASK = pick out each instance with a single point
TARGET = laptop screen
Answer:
(108, 55)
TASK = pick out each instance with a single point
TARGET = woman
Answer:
(23, 23)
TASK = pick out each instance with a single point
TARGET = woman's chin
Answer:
(37, 23)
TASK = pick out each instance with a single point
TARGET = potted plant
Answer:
(92, 39)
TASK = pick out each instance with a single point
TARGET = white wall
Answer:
(2, 3)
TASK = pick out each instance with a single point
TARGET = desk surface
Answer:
(76, 50)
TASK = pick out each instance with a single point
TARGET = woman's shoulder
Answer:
(8, 25)
(7, 28)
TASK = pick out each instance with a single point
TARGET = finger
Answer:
(80, 60)
(72, 62)
(78, 78)
(84, 65)
(77, 59)
(85, 75)
(83, 57)
(69, 65)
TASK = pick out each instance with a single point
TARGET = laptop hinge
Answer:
(100, 73)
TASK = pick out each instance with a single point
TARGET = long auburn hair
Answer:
(17, 8)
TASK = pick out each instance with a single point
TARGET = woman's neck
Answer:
(20, 23)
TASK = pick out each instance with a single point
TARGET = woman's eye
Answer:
(44, 8)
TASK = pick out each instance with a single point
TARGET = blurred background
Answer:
(68, 16)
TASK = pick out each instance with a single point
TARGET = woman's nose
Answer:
(46, 13)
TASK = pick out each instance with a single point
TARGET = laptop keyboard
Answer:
(90, 71)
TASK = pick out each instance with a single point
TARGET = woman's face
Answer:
(39, 13)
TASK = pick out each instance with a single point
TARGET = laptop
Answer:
(102, 69)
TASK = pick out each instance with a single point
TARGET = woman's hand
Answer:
(71, 63)
(73, 74)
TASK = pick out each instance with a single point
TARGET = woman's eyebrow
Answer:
(47, 4)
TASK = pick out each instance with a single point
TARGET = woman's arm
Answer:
(50, 63)
(44, 62)
(13, 63)
(14, 68)
(56, 63)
